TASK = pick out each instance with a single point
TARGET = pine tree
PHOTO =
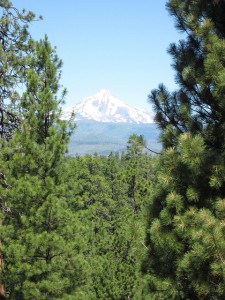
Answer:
(40, 234)
(186, 215)
(15, 44)
(96, 209)
(137, 164)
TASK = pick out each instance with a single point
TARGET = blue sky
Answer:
(120, 45)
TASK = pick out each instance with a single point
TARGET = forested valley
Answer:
(137, 225)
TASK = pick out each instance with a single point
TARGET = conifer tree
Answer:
(15, 44)
(137, 163)
(186, 216)
(92, 199)
(40, 234)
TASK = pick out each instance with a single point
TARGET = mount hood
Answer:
(104, 107)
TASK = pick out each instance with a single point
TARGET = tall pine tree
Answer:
(186, 216)
(15, 44)
(40, 234)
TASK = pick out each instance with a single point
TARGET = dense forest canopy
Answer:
(123, 226)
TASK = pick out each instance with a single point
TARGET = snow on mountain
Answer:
(104, 107)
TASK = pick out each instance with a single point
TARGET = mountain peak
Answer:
(103, 93)
(104, 107)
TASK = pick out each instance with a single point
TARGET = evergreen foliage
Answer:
(71, 228)
(15, 44)
(186, 214)
(40, 235)
(114, 235)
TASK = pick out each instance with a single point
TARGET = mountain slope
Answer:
(97, 137)
(104, 107)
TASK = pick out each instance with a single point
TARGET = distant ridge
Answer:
(104, 107)
(92, 137)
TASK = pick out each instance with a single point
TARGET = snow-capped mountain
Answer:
(104, 107)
